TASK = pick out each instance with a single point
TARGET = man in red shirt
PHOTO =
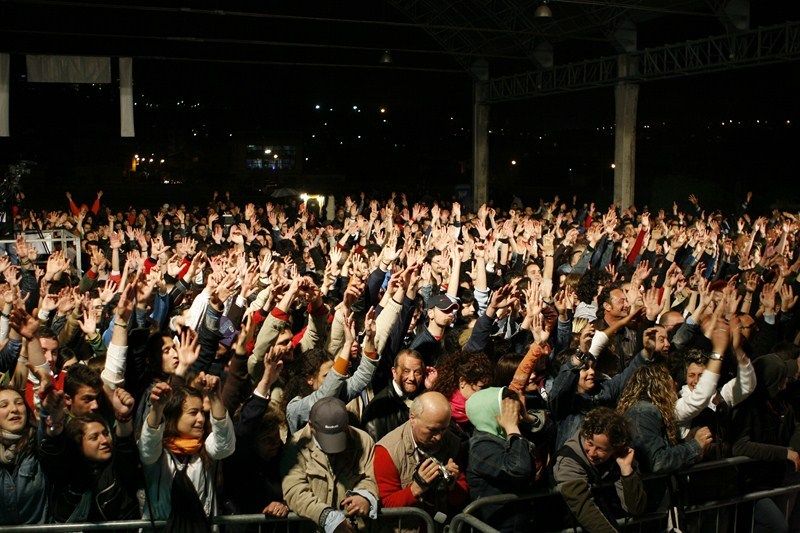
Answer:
(417, 464)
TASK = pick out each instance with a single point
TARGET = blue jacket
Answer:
(568, 407)
(653, 450)
(23, 492)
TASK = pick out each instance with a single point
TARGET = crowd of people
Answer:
(234, 358)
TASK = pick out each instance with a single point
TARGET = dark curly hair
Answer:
(606, 421)
(452, 368)
(587, 285)
(300, 370)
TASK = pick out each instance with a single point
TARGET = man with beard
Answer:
(389, 408)
(411, 461)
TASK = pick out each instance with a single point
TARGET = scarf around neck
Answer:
(183, 445)
(8, 446)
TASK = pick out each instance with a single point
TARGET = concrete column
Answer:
(480, 146)
(626, 96)
(5, 83)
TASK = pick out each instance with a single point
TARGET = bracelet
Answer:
(4, 315)
(121, 324)
(123, 420)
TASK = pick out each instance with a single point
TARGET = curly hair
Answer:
(652, 383)
(606, 421)
(589, 282)
(452, 368)
(300, 371)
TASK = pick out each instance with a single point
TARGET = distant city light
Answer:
(788, 121)
(384, 120)
(359, 136)
(162, 161)
(275, 156)
(316, 106)
(151, 160)
(383, 110)
(136, 156)
(613, 165)
(268, 151)
(355, 107)
(513, 161)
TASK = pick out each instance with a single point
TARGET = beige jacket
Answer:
(313, 482)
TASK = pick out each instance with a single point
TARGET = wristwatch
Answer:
(715, 356)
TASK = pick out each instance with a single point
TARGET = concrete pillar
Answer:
(626, 96)
(480, 136)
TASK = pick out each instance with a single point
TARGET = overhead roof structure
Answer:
(420, 34)
(507, 50)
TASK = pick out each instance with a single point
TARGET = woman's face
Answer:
(468, 389)
(316, 381)
(96, 443)
(13, 415)
(169, 356)
(192, 422)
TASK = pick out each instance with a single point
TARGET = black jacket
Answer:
(385, 412)
(251, 482)
(112, 485)
(501, 466)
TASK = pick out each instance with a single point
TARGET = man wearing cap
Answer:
(441, 313)
(389, 408)
(327, 470)
(409, 461)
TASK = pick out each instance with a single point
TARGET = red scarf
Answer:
(458, 408)
(183, 445)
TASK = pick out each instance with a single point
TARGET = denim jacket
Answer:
(23, 492)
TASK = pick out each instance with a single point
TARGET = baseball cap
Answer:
(329, 421)
(442, 302)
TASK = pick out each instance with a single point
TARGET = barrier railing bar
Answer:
(507, 498)
(455, 524)
(259, 519)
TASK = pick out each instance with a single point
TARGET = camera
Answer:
(446, 478)
(585, 360)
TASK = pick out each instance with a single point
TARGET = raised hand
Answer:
(625, 461)
(788, 298)
(539, 329)
(89, 323)
(188, 351)
(122, 402)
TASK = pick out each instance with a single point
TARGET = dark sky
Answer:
(71, 132)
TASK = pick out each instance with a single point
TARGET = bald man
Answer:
(409, 460)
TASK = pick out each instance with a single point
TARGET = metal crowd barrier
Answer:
(44, 243)
(641, 523)
(394, 513)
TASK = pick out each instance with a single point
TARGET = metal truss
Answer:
(773, 44)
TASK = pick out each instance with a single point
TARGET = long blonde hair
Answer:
(652, 383)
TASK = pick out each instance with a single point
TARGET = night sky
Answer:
(719, 134)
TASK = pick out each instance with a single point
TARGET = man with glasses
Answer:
(389, 408)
